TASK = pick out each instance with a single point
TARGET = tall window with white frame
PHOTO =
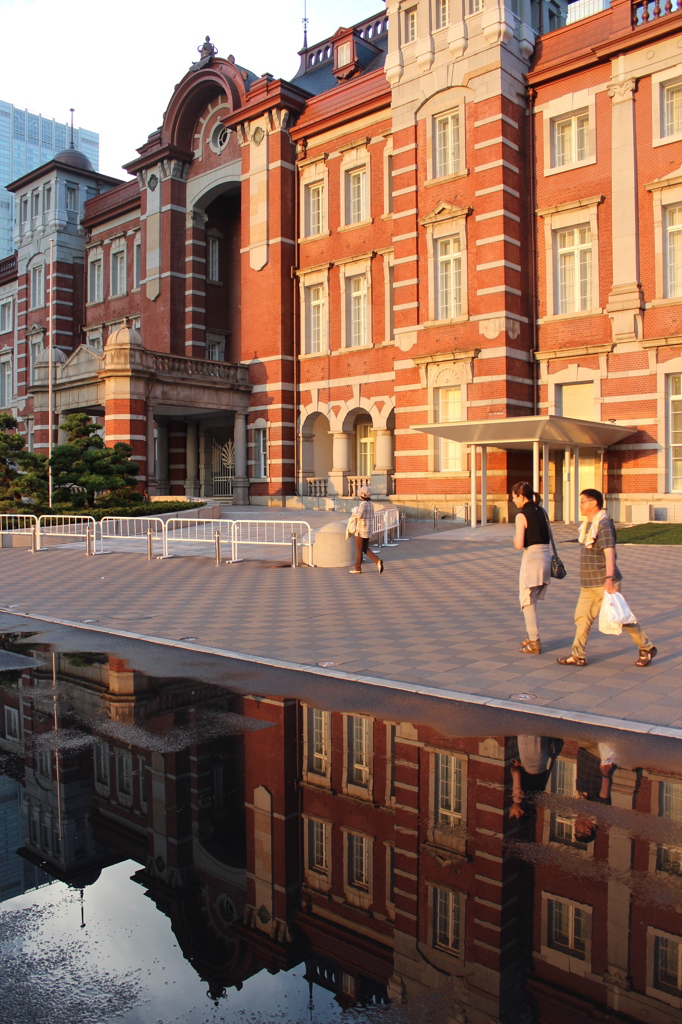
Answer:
(318, 741)
(358, 737)
(448, 789)
(675, 430)
(567, 927)
(446, 144)
(71, 198)
(315, 309)
(37, 287)
(574, 269)
(562, 783)
(448, 409)
(449, 278)
(671, 109)
(6, 388)
(571, 136)
(6, 316)
(442, 13)
(669, 858)
(213, 259)
(447, 921)
(475, 6)
(358, 861)
(356, 185)
(314, 208)
(410, 25)
(95, 279)
(673, 252)
(118, 272)
(364, 435)
(137, 262)
(318, 853)
(668, 964)
(35, 348)
(260, 443)
(357, 311)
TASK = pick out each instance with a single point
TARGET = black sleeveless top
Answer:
(537, 531)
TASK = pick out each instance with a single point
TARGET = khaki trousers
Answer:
(587, 610)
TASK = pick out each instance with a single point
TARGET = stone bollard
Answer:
(331, 548)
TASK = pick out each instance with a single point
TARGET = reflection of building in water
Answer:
(380, 853)
(17, 875)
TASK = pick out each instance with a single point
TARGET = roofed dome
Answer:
(75, 159)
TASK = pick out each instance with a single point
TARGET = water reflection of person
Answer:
(531, 768)
(594, 776)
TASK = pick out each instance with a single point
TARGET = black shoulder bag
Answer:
(558, 569)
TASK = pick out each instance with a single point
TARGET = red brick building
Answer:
(416, 231)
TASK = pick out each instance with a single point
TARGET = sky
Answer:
(118, 68)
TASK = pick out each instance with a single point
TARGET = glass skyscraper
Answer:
(27, 141)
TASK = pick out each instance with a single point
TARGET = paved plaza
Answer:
(444, 617)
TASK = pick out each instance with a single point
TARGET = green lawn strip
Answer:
(650, 533)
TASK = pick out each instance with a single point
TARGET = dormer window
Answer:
(343, 54)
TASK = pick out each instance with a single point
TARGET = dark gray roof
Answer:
(75, 159)
(316, 71)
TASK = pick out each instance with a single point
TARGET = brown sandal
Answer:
(646, 656)
(571, 660)
(531, 647)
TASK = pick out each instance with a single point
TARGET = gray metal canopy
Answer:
(521, 432)
(538, 434)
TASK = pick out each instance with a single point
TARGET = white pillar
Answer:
(306, 460)
(576, 484)
(162, 483)
(340, 462)
(568, 486)
(536, 466)
(191, 460)
(240, 487)
(472, 456)
(545, 476)
(150, 485)
(383, 462)
(484, 485)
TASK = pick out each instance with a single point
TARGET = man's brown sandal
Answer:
(646, 656)
(572, 660)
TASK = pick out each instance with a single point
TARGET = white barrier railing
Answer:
(134, 528)
(197, 531)
(74, 527)
(18, 523)
(269, 531)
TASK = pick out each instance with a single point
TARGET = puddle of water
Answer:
(172, 850)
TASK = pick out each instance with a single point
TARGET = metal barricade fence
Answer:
(264, 532)
(132, 529)
(197, 531)
(73, 527)
(18, 523)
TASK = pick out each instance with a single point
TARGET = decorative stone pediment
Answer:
(85, 362)
(445, 211)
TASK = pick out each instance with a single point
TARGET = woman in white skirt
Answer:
(531, 537)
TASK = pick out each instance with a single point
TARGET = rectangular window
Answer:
(6, 389)
(118, 272)
(449, 278)
(574, 269)
(137, 263)
(668, 965)
(315, 312)
(446, 144)
(357, 195)
(5, 316)
(215, 347)
(44, 763)
(576, 400)
(124, 774)
(364, 449)
(675, 431)
(318, 847)
(448, 789)
(357, 769)
(669, 858)
(23, 210)
(95, 280)
(411, 25)
(318, 741)
(35, 204)
(448, 409)
(567, 927)
(37, 287)
(447, 920)
(102, 764)
(673, 252)
(213, 260)
(314, 212)
(343, 55)
(442, 13)
(571, 139)
(12, 724)
(35, 349)
(475, 6)
(563, 783)
(260, 441)
(71, 197)
(47, 199)
(358, 861)
(358, 311)
(143, 780)
(672, 109)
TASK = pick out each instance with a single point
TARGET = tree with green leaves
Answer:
(84, 466)
(23, 474)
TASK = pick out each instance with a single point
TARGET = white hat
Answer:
(364, 492)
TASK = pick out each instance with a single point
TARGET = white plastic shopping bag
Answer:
(614, 613)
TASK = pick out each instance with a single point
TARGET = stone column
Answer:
(151, 459)
(191, 460)
(307, 460)
(340, 463)
(162, 483)
(625, 302)
(383, 463)
(240, 489)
